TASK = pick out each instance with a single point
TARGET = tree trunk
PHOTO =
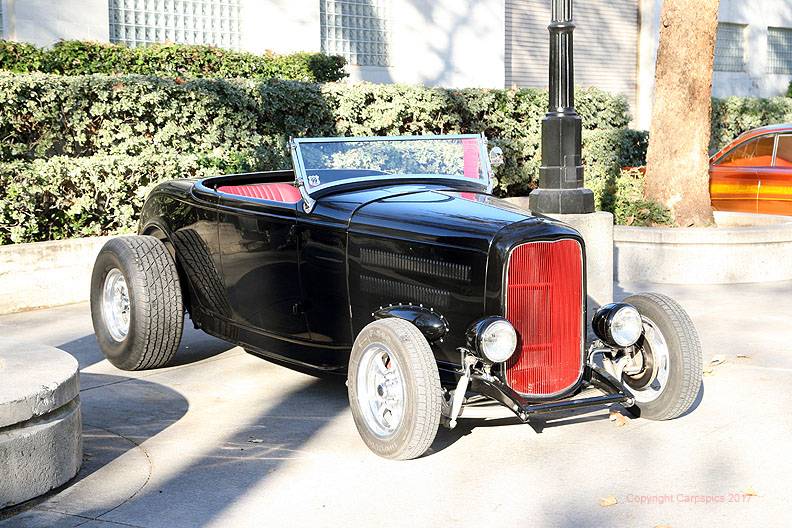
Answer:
(677, 168)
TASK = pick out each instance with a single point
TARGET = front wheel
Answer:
(665, 376)
(394, 389)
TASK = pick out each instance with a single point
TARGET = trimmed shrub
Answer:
(605, 152)
(20, 57)
(629, 205)
(734, 115)
(74, 57)
(614, 162)
(64, 197)
(47, 115)
(79, 134)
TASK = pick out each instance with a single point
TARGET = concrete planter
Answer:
(40, 425)
(734, 252)
(45, 274)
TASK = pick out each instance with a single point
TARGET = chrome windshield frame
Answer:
(301, 177)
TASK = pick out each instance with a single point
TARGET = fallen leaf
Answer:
(750, 492)
(610, 500)
(618, 418)
(717, 359)
(256, 441)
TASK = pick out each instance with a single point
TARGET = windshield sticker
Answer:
(313, 181)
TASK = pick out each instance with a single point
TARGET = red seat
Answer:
(277, 192)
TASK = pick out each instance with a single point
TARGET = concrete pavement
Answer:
(225, 439)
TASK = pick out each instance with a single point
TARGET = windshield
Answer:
(321, 163)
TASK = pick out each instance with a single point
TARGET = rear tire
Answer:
(136, 303)
(392, 369)
(677, 354)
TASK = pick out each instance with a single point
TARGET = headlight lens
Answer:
(618, 324)
(626, 326)
(498, 340)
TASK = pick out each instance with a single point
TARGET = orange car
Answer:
(753, 173)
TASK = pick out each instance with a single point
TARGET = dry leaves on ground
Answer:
(618, 418)
(610, 500)
(717, 359)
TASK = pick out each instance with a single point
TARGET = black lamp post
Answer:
(561, 174)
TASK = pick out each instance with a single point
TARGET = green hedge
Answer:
(64, 197)
(49, 115)
(82, 136)
(732, 116)
(73, 57)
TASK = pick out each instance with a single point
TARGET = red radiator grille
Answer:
(544, 304)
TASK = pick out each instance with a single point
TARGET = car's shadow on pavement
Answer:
(195, 346)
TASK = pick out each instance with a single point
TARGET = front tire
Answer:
(394, 389)
(136, 303)
(671, 374)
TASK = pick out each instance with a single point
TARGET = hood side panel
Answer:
(426, 248)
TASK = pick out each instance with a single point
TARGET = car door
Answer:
(259, 253)
(734, 180)
(775, 182)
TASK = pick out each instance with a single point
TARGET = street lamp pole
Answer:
(561, 188)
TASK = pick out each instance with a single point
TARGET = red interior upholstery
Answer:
(277, 192)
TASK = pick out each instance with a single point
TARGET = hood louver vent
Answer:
(402, 292)
(425, 266)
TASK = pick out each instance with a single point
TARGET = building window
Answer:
(142, 22)
(779, 50)
(356, 29)
(730, 47)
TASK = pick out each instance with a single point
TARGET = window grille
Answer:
(356, 29)
(730, 47)
(142, 22)
(779, 50)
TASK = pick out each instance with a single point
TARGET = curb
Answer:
(730, 254)
(45, 274)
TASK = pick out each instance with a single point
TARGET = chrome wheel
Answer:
(380, 390)
(115, 305)
(652, 378)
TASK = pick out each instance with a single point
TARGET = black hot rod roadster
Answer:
(388, 260)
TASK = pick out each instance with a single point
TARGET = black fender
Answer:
(432, 325)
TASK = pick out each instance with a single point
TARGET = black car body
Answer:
(296, 277)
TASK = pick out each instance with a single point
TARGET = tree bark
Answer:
(677, 162)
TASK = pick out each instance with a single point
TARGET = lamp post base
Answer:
(561, 201)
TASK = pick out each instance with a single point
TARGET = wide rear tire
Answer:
(394, 389)
(136, 303)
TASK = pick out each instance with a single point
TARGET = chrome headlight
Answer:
(494, 338)
(618, 324)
